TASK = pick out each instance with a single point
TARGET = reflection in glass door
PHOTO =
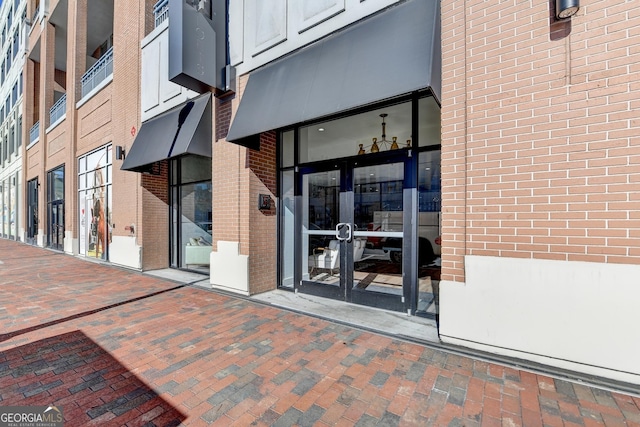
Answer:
(56, 225)
(55, 211)
(320, 246)
(378, 235)
(429, 231)
(360, 213)
(352, 234)
(32, 211)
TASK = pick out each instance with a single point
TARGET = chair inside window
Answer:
(329, 258)
(326, 258)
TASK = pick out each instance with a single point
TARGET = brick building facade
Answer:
(509, 214)
(540, 166)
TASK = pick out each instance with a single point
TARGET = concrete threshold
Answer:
(391, 323)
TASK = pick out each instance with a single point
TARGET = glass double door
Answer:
(32, 208)
(55, 208)
(56, 225)
(352, 228)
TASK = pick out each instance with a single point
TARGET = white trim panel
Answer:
(124, 251)
(573, 315)
(229, 268)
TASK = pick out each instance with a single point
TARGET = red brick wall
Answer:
(228, 194)
(222, 117)
(134, 193)
(230, 180)
(541, 154)
(239, 176)
(454, 136)
(60, 79)
(35, 84)
(153, 226)
(107, 118)
(148, 17)
(263, 230)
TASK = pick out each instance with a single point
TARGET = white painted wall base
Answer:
(124, 251)
(70, 244)
(573, 315)
(230, 269)
(40, 238)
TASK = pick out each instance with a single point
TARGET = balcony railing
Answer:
(161, 11)
(34, 133)
(58, 110)
(98, 72)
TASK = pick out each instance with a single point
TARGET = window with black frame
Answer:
(55, 208)
(381, 166)
(191, 212)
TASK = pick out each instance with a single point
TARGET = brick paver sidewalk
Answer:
(112, 347)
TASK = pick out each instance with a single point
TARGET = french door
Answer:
(352, 230)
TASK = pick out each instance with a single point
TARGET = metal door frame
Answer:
(346, 215)
(32, 210)
(59, 206)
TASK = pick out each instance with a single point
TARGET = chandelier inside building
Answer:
(382, 144)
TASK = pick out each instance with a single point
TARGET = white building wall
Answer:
(580, 316)
(11, 23)
(291, 24)
(158, 94)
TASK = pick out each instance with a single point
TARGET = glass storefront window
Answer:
(378, 190)
(4, 186)
(32, 211)
(19, 203)
(12, 207)
(344, 137)
(429, 122)
(287, 153)
(429, 232)
(287, 226)
(94, 203)
(429, 181)
(195, 169)
(57, 184)
(361, 179)
(195, 223)
(191, 212)
(55, 208)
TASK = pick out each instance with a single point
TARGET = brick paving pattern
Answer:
(114, 347)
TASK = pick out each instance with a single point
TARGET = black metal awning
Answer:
(390, 54)
(185, 129)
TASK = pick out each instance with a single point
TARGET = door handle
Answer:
(346, 235)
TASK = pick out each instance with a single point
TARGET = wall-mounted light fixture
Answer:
(566, 8)
(119, 152)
